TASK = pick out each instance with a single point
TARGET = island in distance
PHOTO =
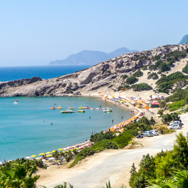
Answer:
(88, 57)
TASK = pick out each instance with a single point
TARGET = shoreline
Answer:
(79, 144)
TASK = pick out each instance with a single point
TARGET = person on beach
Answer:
(51, 123)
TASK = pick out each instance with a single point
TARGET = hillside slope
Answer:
(107, 76)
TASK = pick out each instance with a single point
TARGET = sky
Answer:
(35, 32)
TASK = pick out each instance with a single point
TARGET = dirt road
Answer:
(108, 165)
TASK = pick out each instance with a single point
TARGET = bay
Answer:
(25, 128)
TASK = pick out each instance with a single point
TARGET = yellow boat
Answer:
(81, 111)
(81, 107)
(67, 111)
(59, 107)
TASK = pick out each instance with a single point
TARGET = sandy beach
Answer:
(113, 165)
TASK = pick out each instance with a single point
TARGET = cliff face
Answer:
(103, 77)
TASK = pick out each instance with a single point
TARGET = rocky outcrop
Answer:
(105, 76)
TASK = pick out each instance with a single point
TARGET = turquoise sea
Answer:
(25, 128)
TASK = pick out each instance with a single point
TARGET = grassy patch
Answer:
(176, 105)
(123, 139)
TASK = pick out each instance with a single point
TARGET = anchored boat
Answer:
(53, 108)
(67, 111)
(81, 111)
(59, 107)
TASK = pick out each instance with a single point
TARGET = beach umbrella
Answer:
(27, 157)
(33, 156)
(48, 155)
(81, 147)
(60, 149)
(89, 144)
(42, 154)
(54, 151)
(48, 152)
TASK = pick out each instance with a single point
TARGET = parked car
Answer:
(176, 123)
(147, 133)
(139, 136)
(155, 132)
(175, 126)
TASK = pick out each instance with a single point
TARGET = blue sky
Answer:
(35, 32)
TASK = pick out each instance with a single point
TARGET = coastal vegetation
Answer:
(141, 87)
(109, 140)
(166, 83)
(165, 169)
(138, 73)
(167, 118)
(153, 76)
(131, 80)
(185, 69)
(19, 173)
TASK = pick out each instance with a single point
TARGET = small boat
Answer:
(81, 111)
(109, 110)
(92, 108)
(16, 102)
(59, 107)
(67, 111)
(53, 108)
(71, 108)
(98, 108)
(81, 107)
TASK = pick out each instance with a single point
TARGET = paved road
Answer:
(115, 164)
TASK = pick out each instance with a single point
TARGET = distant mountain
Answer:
(88, 57)
(184, 40)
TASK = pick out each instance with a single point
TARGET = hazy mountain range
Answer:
(88, 57)
(184, 40)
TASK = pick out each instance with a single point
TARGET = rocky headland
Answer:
(106, 76)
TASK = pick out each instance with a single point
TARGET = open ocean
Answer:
(44, 72)
(25, 128)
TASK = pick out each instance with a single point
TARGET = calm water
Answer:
(23, 132)
(44, 72)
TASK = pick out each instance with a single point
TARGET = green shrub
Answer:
(141, 87)
(166, 82)
(123, 139)
(138, 73)
(104, 144)
(124, 76)
(144, 67)
(176, 105)
(101, 136)
(166, 118)
(153, 76)
(152, 67)
(185, 69)
(157, 57)
(131, 80)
